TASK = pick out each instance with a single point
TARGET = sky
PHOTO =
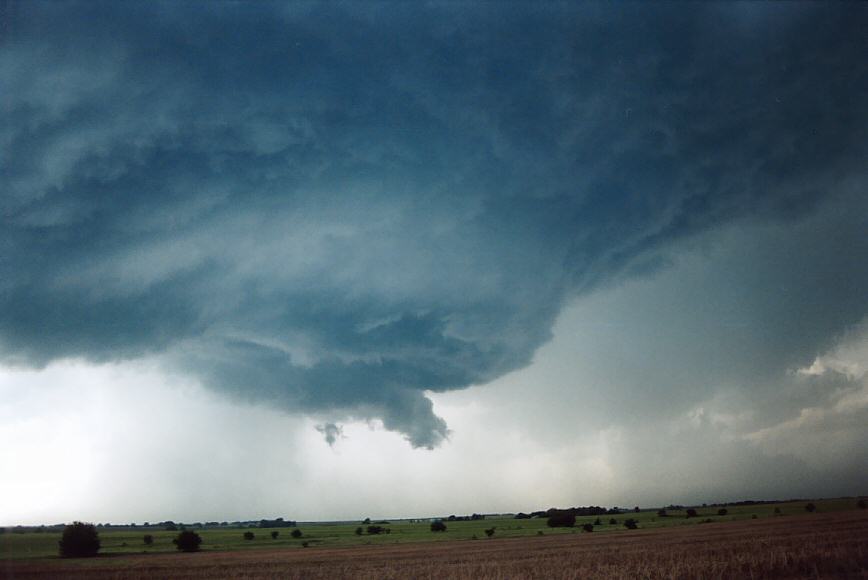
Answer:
(334, 260)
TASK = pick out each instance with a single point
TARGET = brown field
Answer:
(831, 545)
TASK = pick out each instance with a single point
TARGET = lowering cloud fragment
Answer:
(334, 211)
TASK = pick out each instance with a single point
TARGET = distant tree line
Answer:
(574, 511)
(278, 523)
(473, 517)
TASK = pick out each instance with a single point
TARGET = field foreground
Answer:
(831, 545)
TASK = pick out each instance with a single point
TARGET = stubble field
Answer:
(822, 545)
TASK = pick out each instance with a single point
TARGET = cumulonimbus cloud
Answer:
(335, 210)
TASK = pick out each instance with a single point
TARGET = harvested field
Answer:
(832, 545)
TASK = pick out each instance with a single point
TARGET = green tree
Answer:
(188, 541)
(79, 540)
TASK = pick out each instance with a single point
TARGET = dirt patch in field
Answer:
(833, 545)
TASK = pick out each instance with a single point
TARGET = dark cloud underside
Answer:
(335, 208)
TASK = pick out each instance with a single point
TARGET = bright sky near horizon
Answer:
(329, 261)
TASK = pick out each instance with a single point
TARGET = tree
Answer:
(588, 527)
(274, 534)
(636, 509)
(810, 507)
(438, 526)
(722, 512)
(561, 520)
(249, 536)
(188, 541)
(296, 533)
(148, 539)
(691, 513)
(631, 524)
(79, 540)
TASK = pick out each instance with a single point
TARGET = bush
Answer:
(359, 531)
(588, 527)
(561, 520)
(438, 526)
(274, 534)
(777, 511)
(662, 514)
(79, 540)
(148, 539)
(296, 533)
(722, 512)
(631, 524)
(489, 532)
(249, 536)
(373, 530)
(861, 504)
(188, 541)
(598, 522)
(810, 507)
(691, 513)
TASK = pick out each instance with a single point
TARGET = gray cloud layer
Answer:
(334, 210)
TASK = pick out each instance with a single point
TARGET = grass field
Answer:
(830, 544)
(318, 535)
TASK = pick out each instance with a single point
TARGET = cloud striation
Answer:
(335, 208)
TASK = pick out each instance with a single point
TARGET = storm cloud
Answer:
(334, 209)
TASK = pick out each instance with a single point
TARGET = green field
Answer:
(34, 544)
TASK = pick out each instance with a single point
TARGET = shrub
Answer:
(79, 540)
(777, 511)
(631, 524)
(588, 527)
(148, 539)
(598, 522)
(662, 514)
(359, 531)
(296, 533)
(861, 504)
(810, 507)
(691, 513)
(722, 512)
(561, 520)
(249, 536)
(373, 530)
(636, 509)
(613, 522)
(274, 534)
(188, 541)
(489, 532)
(304, 544)
(438, 526)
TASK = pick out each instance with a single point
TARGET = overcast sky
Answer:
(328, 261)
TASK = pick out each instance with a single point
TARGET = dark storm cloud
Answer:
(334, 209)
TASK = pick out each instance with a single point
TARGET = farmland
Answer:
(830, 543)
